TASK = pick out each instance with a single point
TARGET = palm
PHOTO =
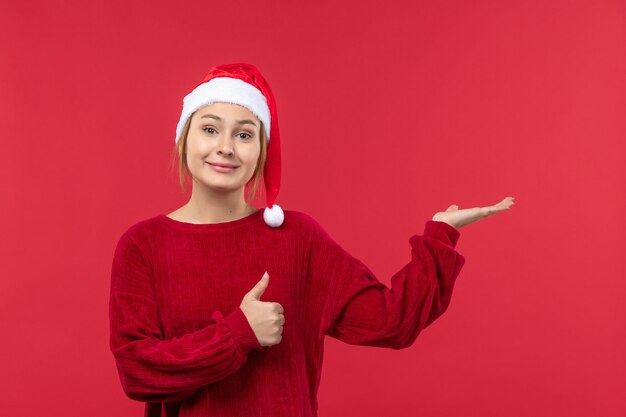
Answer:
(459, 218)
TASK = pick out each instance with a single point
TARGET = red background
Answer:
(389, 112)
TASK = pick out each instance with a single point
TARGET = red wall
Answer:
(389, 112)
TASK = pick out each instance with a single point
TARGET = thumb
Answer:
(257, 291)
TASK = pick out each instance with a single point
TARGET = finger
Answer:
(509, 201)
(496, 208)
(506, 203)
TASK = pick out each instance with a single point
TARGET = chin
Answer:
(221, 186)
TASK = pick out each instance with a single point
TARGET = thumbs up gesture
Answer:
(266, 318)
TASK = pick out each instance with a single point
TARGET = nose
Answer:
(225, 146)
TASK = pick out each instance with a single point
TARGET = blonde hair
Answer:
(180, 153)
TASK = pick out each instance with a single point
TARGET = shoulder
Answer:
(140, 232)
(302, 220)
(134, 245)
(309, 228)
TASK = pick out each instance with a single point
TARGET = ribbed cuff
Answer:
(242, 332)
(442, 231)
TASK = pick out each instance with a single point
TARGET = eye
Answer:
(205, 129)
(243, 133)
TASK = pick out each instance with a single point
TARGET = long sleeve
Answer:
(364, 311)
(151, 368)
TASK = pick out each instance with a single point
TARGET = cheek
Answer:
(251, 157)
(196, 149)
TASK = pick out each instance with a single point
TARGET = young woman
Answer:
(221, 309)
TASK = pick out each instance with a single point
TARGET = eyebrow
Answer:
(240, 122)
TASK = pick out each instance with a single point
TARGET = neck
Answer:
(214, 206)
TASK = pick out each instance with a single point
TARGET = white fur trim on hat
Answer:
(226, 90)
(274, 216)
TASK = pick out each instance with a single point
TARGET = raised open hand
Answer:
(459, 218)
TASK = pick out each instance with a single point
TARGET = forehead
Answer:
(226, 111)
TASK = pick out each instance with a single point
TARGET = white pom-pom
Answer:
(274, 216)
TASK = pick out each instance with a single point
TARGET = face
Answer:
(223, 133)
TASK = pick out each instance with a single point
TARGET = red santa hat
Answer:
(243, 84)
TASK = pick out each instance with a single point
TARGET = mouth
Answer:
(222, 167)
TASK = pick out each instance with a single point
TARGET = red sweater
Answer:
(182, 343)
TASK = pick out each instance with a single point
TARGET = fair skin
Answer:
(459, 218)
(216, 136)
(216, 196)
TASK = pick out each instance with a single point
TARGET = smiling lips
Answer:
(222, 167)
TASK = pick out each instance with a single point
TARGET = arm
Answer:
(365, 312)
(151, 368)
